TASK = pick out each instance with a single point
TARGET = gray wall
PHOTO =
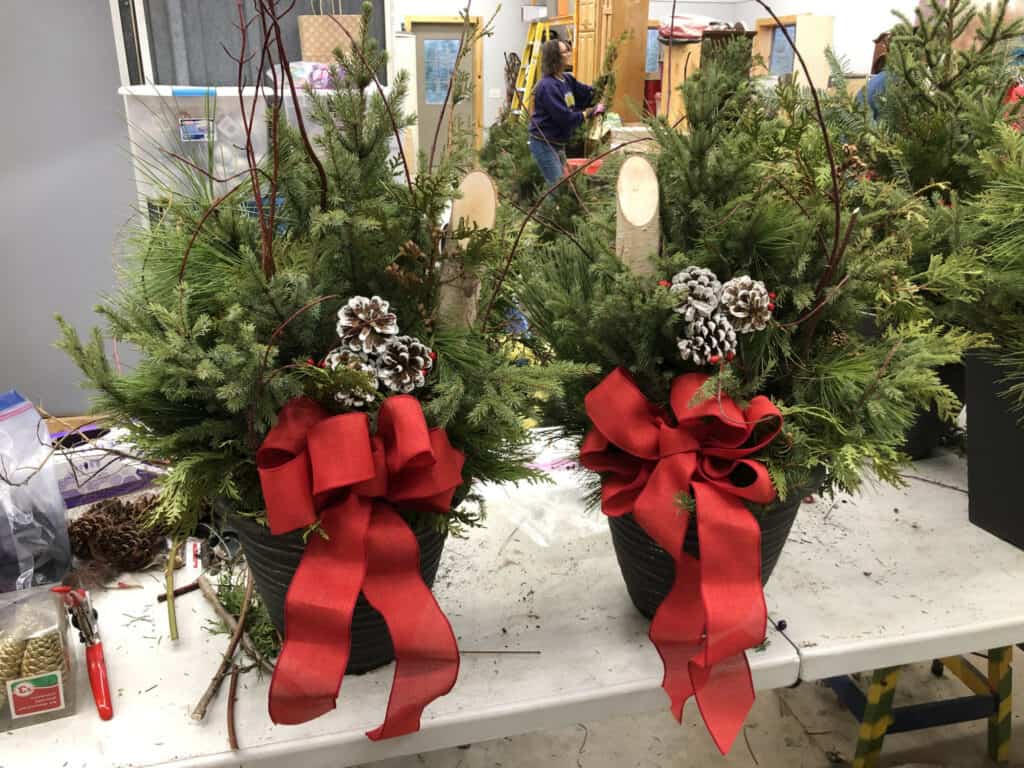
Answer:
(66, 186)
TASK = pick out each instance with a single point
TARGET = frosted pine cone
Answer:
(365, 325)
(748, 304)
(343, 358)
(698, 290)
(404, 364)
(708, 337)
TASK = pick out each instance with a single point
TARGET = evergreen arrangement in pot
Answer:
(313, 367)
(737, 373)
(948, 77)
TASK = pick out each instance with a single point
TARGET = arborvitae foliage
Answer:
(222, 350)
(850, 353)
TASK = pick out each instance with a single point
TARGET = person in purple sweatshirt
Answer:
(560, 105)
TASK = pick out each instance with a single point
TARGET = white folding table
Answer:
(895, 576)
(548, 635)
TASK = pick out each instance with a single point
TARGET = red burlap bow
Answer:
(316, 467)
(715, 609)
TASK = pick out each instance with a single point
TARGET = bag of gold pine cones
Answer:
(37, 679)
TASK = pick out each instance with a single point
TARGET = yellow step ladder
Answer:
(529, 67)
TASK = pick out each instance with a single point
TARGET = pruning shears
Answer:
(83, 618)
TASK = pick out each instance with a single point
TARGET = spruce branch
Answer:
(356, 49)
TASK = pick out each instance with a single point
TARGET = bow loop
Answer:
(340, 453)
(625, 417)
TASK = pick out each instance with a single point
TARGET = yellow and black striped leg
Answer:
(877, 717)
(1000, 680)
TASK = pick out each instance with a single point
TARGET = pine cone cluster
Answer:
(114, 532)
(371, 344)
(714, 313)
(365, 325)
(748, 304)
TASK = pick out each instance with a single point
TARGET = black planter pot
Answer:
(927, 431)
(994, 443)
(649, 571)
(273, 561)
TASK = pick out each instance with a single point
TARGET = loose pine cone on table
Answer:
(43, 654)
(748, 304)
(84, 530)
(404, 364)
(365, 325)
(708, 339)
(699, 290)
(344, 358)
(114, 532)
(126, 548)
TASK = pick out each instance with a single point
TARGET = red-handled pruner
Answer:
(83, 618)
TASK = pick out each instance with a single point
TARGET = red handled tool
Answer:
(83, 618)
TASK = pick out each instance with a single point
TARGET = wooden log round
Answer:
(638, 225)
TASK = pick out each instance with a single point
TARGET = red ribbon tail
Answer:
(676, 632)
(318, 616)
(725, 694)
(426, 654)
(733, 608)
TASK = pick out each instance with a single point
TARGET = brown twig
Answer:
(819, 306)
(199, 226)
(833, 168)
(873, 385)
(232, 692)
(162, 598)
(226, 663)
(206, 588)
(258, 390)
(282, 57)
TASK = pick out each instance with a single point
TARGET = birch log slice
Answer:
(638, 225)
(460, 293)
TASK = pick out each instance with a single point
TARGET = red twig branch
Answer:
(282, 57)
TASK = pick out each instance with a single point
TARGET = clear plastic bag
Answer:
(34, 546)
